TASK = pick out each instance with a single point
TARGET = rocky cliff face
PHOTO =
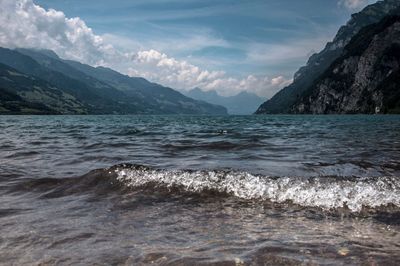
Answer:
(364, 79)
(284, 100)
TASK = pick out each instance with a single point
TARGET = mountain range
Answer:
(39, 82)
(244, 103)
(358, 72)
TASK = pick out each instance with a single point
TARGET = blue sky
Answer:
(215, 34)
(235, 40)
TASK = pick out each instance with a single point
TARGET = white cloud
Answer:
(261, 85)
(25, 24)
(183, 75)
(169, 71)
(353, 4)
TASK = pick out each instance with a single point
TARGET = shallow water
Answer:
(184, 190)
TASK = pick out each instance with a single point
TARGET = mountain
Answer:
(93, 98)
(23, 94)
(243, 103)
(364, 79)
(96, 95)
(284, 100)
(158, 98)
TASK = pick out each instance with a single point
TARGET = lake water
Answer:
(184, 190)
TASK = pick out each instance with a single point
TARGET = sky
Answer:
(225, 45)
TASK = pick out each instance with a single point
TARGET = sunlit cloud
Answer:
(25, 24)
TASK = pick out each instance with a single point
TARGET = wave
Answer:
(327, 192)
(366, 195)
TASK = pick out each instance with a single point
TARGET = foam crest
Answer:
(324, 192)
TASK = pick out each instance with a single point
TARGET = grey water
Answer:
(212, 190)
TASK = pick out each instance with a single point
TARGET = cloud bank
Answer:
(176, 72)
(25, 24)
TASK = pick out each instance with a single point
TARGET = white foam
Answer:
(324, 192)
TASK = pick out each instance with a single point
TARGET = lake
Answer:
(221, 190)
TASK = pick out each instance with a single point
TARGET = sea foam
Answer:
(323, 192)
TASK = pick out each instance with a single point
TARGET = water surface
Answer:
(269, 190)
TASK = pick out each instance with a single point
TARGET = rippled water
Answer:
(184, 190)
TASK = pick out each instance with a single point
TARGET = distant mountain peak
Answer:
(246, 93)
(243, 103)
(46, 52)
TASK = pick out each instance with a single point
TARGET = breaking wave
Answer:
(323, 192)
